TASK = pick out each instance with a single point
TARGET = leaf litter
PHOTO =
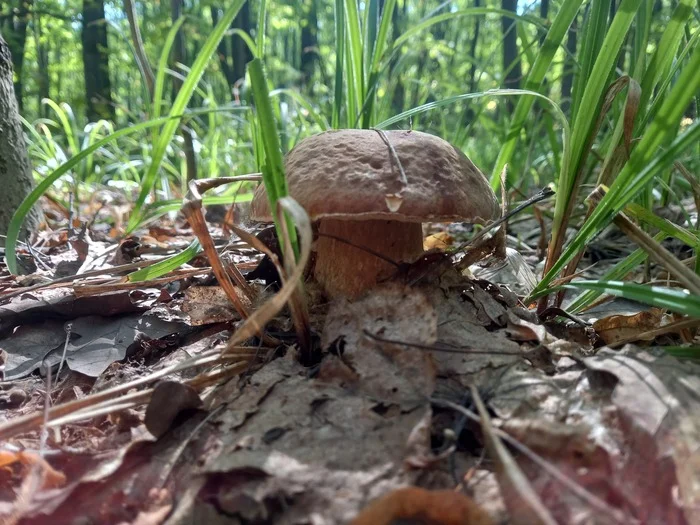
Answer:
(441, 394)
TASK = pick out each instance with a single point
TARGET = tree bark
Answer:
(511, 59)
(179, 54)
(15, 30)
(233, 52)
(98, 87)
(15, 170)
(42, 61)
(309, 40)
(567, 80)
(473, 80)
(239, 50)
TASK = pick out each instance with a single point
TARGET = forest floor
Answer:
(128, 402)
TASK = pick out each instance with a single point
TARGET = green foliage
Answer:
(678, 301)
(382, 64)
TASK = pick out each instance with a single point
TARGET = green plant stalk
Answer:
(178, 107)
(273, 169)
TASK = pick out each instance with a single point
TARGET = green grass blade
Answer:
(616, 273)
(178, 107)
(676, 64)
(159, 84)
(378, 46)
(638, 172)
(167, 265)
(320, 120)
(672, 230)
(160, 208)
(273, 169)
(339, 61)
(533, 82)
(665, 52)
(262, 28)
(597, 81)
(593, 34)
(491, 93)
(473, 11)
(18, 218)
(71, 138)
(355, 73)
(249, 42)
(672, 299)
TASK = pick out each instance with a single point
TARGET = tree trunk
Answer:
(15, 30)
(42, 62)
(511, 60)
(223, 52)
(239, 50)
(567, 80)
(309, 39)
(473, 50)
(15, 170)
(398, 17)
(179, 56)
(98, 88)
(233, 52)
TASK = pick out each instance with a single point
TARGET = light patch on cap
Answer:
(393, 201)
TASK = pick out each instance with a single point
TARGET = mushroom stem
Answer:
(345, 268)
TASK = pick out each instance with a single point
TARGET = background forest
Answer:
(616, 90)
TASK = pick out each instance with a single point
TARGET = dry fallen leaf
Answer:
(615, 328)
(439, 507)
(209, 305)
(51, 478)
(438, 241)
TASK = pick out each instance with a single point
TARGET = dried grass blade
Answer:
(267, 311)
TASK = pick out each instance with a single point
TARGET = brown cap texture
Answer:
(352, 174)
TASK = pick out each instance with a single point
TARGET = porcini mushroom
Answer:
(373, 189)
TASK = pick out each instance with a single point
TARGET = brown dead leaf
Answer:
(50, 477)
(209, 305)
(169, 399)
(438, 241)
(439, 507)
(618, 327)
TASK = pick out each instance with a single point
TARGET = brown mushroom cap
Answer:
(348, 174)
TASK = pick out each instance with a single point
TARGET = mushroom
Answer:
(351, 183)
